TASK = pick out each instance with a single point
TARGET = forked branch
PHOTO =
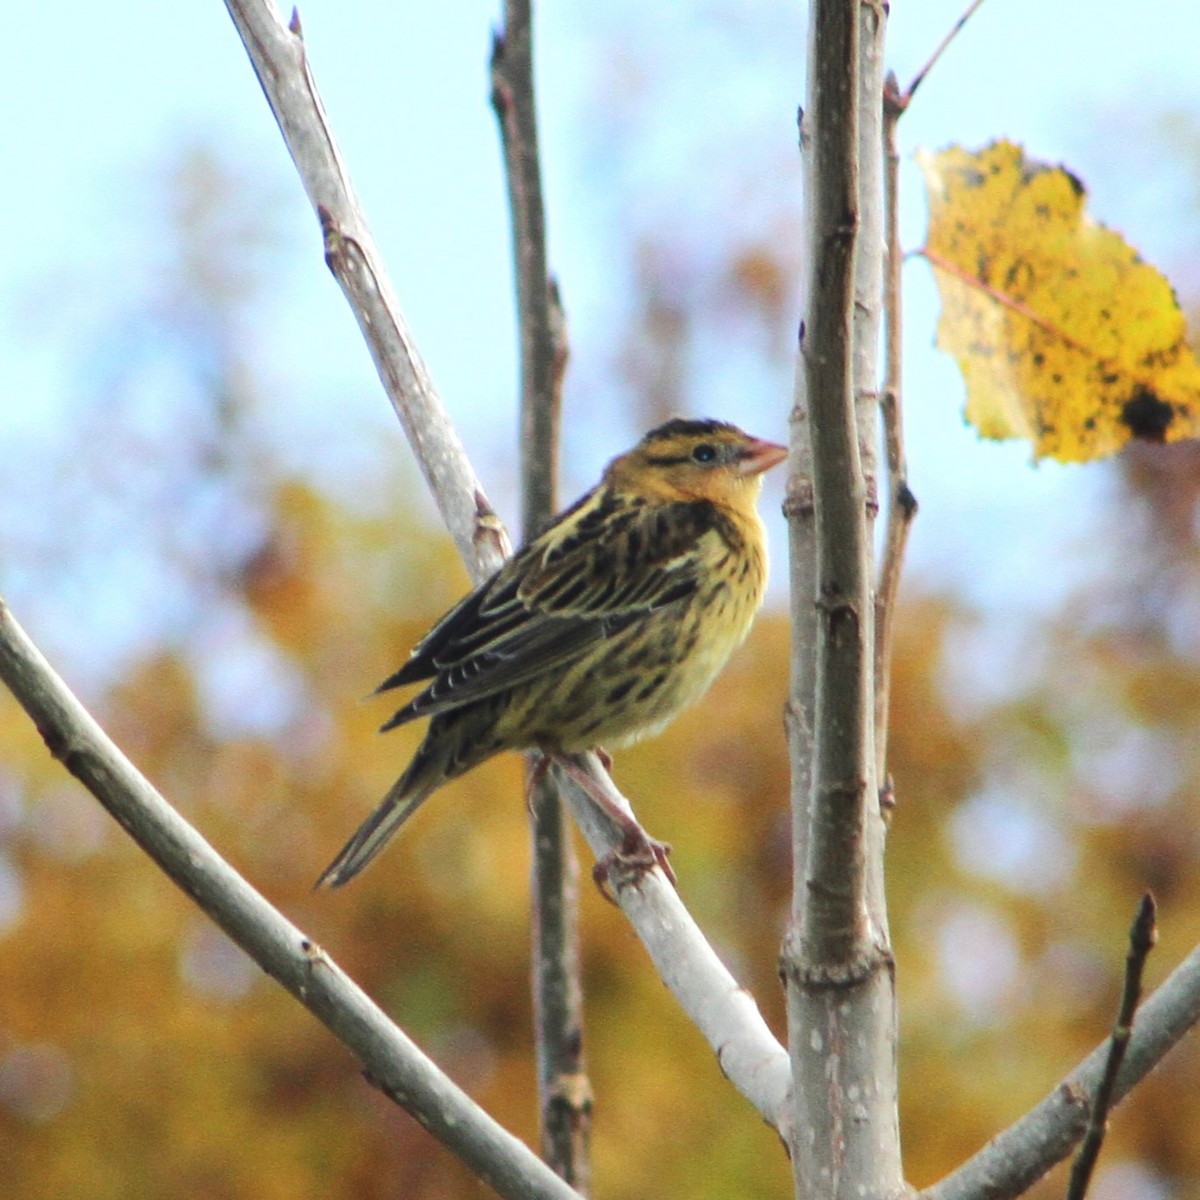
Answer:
(1019, 1156)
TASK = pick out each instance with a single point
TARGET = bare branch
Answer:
(919, 78)
(1142, 936)
(834, 920)
(867, 314)
(391, 1061)
(564, 1093)
(802, 588)
(902, 504)
(835, 960)
(542, 331)
(867, 322)
(564, 1090)
(1014, 1160)
(277, 52)
(725, 1013)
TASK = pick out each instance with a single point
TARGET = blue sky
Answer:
(103, 91)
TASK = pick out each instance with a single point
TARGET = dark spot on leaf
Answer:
(1147, 416)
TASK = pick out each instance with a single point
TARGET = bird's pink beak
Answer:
(759, 456)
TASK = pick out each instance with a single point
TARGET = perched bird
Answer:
(600, 629)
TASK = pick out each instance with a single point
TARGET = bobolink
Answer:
(612, 619)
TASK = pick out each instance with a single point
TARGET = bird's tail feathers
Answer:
(451, 746)
(402, 800)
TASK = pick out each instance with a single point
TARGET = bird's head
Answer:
(696, 460)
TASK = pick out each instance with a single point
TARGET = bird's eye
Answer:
(704, 453)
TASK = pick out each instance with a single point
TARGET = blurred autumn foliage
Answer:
(1045, 774)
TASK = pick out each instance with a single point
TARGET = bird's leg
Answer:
(637, 853)
(540, 767)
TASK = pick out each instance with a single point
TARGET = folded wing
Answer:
(603, 565)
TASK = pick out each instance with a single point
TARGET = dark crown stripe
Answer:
(687, 427)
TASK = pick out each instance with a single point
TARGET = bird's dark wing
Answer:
(602, 565)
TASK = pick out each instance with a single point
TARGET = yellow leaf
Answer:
(1063, 334)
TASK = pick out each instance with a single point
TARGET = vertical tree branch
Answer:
(564, 1093)
(832, 910)
(902, 504)
(540, 328)
(868, 262)
(835, 961)
(833, 922)
(802, 580)
(865, 332)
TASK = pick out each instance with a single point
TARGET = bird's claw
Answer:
(623, 867)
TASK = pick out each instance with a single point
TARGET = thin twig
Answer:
(390, 1060)
(1014, 1160)
(1142, 936)
(564, 1092)
(955, 30)
(902, 504)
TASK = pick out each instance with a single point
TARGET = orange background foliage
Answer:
(140, 1055)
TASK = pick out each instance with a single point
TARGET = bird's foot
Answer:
(637, 852)
(624, 867)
